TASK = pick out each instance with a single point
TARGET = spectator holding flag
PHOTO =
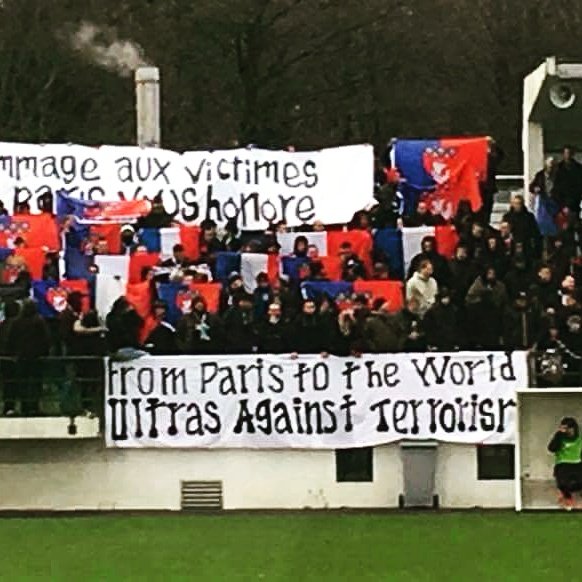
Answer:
(422, 287)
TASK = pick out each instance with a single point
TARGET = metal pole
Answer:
(147, 94)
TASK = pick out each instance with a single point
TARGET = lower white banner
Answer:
(311, 402)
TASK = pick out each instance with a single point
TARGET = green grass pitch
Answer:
(300, 547)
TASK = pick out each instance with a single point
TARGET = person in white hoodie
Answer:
(422, 287)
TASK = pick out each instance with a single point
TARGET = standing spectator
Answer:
(422, 287)
(239, 324)
(524, 227)
(300, 247)
(352, 322)
(544, 291)
(505, 237)
(475, 239)
(411, 326)
(441, 324)
(157, 217)
(519, 277)
(430, 253)
(231, 240)
(123, 325)
(462, 275)
(305, 334)
(50, 268)
(262, 296)
(558, 258)
(199, 332)
(161, 341)
(495, 256)
(546, 205)
(272, 332)
(234, 287)
(568, 185)
(382, 330)
(486, 302)
(387, 213)
(521, 324)
(210, 245)
(28, 341)
(464, 219)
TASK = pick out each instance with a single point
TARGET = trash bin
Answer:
(419, 468)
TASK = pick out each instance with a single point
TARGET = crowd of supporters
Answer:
(512, 285)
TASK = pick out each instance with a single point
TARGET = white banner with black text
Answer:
(312, 402)
(257, 186)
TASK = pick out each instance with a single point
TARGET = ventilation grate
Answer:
(201, 495)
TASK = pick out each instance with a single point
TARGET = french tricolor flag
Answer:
(248, 265)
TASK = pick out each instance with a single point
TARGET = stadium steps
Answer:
(201, 495)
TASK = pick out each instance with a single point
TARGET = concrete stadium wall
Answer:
(84, 475)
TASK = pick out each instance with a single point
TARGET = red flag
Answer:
(210, 292)
(332, 267)
(37, 230)
(190, 240)
(34, 260)
(138, 261)
(447, 240)
(457, 166)
(392, 291)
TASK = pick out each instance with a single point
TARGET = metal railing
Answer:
(52, 386)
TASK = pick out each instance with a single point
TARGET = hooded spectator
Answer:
(239, 324)
(123, 325)
(305, 332)
(486, 303)
(234, 287)
(273, 332)
(199, 332)
(360, 221)
(519, 277)
(161, 341)
(524, 227)
(129, 240)
(422, 287)
(442, 324)
(521, 324)
(429, 252)
(462, 275)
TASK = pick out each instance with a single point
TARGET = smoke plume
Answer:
(103, 48)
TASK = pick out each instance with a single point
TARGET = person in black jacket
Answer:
(123, 325)
(305, 333)
(273, 332)
(29, 340)
(524, 227)
(161, 341)
(199, 332)
(240, 327)
(568, 184)
(442, 325)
